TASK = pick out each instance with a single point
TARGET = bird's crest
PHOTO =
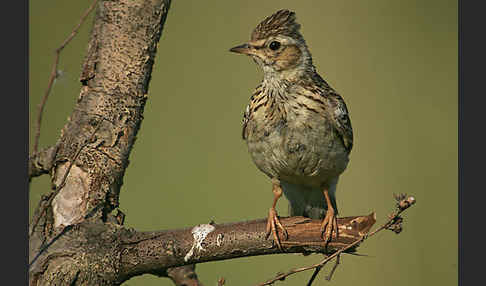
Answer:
(281, 22)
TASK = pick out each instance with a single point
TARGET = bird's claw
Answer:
(272, 224)
(329, 226)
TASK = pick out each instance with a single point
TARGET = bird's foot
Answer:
(329, 226)
(272, 224)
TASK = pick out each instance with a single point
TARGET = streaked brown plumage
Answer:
(296, 126)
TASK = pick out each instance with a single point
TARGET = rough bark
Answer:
(98, 253)
(75, 239)
(96, 141)
(146, 252)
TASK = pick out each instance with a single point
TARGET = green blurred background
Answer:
(394, 62)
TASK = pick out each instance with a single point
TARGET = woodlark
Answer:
(296, 126)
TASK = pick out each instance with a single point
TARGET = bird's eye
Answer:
(274, 45)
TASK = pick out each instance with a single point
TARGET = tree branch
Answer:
(149, 252)
(115, 77)
(184, 275)
(394, 223)
(42, 162)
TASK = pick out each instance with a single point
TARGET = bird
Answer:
(296, 126)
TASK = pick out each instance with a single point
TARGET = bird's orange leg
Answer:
(329, 226)
(273, 222)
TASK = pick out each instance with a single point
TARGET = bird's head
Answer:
(278, 47)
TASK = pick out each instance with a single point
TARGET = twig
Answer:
(338, 259)
(394, 219)
(63, 181)
(54, 74)
(314, 275)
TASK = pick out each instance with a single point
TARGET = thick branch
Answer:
(149, 252)
(92, 153)
(115, 75)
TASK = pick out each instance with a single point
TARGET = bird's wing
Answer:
(254, 99)
(337, 110)
(340, 118)
(246, 117)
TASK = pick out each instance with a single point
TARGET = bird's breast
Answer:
(295, 146)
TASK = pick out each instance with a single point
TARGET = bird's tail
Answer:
(308, 202)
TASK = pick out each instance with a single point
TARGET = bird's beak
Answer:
(242, 49)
